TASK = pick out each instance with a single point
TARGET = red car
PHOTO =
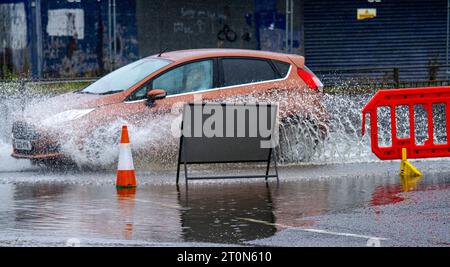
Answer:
(138, 91)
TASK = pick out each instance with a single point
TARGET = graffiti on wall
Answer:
(205, 21)
(196, 21)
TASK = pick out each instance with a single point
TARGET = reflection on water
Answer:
(213, 213)
(209, 212)
(392, 193)
(388, 194)
(126, 204)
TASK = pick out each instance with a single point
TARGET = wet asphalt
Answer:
(422, 219)
(352, 204)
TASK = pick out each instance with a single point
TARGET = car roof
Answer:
(192, 54)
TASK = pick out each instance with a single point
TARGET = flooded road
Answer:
(53, 208)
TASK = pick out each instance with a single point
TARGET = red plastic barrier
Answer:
(408, 97)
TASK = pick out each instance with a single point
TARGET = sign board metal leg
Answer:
(268, 163)
(274, 156)
(178, 171)
(185, 173)
(232, 149)
(179, 158)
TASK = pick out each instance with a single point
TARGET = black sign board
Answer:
(227, 133)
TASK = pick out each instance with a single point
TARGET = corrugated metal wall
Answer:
(404, 33)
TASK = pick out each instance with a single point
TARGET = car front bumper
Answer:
(42, 145)
(56, 155)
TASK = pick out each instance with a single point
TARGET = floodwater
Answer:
(51, 208)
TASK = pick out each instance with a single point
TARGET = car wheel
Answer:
(299, 138)
(101, 146)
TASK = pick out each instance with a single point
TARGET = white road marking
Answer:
(371, 238)
(157, 203)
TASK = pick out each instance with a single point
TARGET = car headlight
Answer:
(65, 116)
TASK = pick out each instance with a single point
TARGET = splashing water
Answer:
(9, 164)
(302, 138)
(151, 144)
(344, 142)
(11, 103)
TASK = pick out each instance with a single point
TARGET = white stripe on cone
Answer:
(125, 158)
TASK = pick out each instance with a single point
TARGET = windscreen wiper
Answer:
(84, 92)
(111, 92)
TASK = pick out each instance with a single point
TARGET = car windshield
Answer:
(125, 77)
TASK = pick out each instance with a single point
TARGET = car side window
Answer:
(246, 70)
(141, 93)
(189, 77)
(283, 67)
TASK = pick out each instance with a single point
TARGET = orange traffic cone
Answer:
(126, 177)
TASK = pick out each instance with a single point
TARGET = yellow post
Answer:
(409, 183)
(406, 168)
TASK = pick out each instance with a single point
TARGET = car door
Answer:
(180, 82)
(242, 76)
(186, 78)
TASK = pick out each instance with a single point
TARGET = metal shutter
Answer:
(404, 33)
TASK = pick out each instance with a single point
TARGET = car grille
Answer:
(48, 149)
(23, 130)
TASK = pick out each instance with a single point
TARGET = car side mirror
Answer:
(156, 94)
